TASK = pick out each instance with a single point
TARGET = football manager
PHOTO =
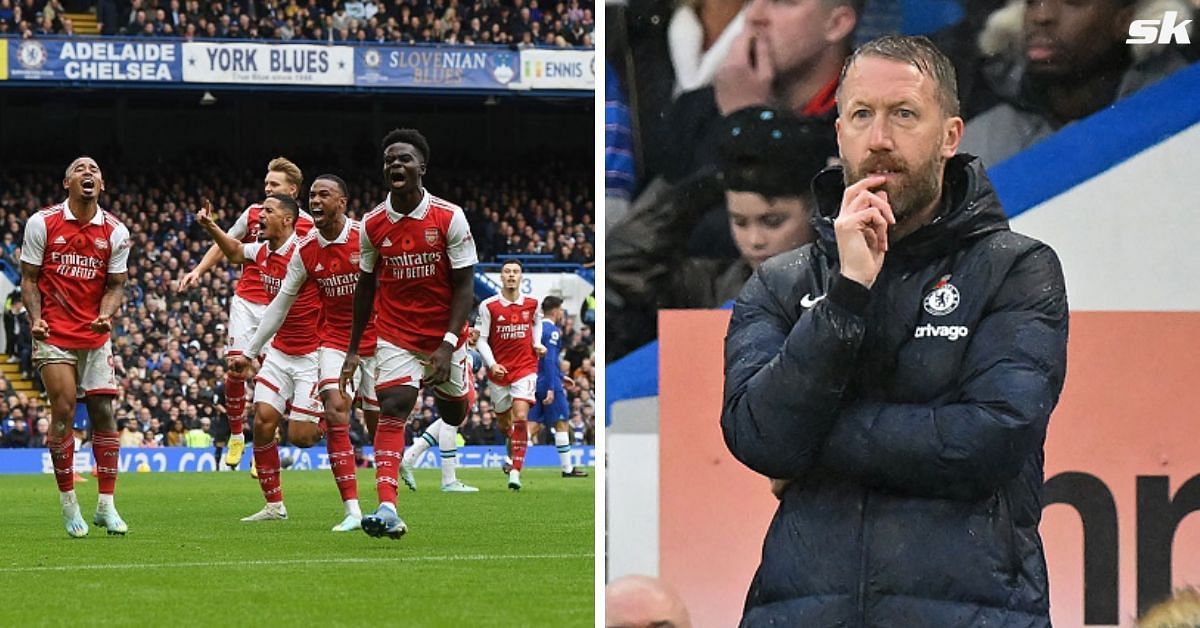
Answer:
(898, 374)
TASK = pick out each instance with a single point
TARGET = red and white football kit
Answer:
(289, 373)
(415, 254)
(76, 260)
(507, 337)
(333, 266)
(251, 298)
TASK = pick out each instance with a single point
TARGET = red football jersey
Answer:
(76, 260)
(298, 333)
(508, 329)
(334, 266)
(416, 252)
(246, 229)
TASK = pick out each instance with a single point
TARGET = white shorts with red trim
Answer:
(523, 389)
(401, 367)
(331, 360)
(244, 318)
(94, 374)
(288, 383)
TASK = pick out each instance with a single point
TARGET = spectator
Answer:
(1051, 66)
(38, 438)
(16, 436)
(131, 435)
(199, 437)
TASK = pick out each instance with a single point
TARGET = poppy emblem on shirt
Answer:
(78, 242)
(101, 244)
(943, 299)
(335, 265)
(406, 243)
(431, 236)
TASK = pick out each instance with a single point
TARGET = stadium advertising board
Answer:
(267, 64)
(92, 60)
(440, 67)
(176, 459)
(558, 69)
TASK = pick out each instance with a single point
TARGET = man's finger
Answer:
(762, 58)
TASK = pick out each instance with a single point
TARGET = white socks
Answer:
(422, 444)
(352, 508)
(562, 442)
(106, 502)
(448, 443)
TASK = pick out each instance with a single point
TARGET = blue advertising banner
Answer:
(106, 59)
(174, 459)
(454, 67)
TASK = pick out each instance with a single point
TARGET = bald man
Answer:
(643, 602)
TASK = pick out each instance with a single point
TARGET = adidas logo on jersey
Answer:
(320, 267)
(501, 319)
(60, 240)
(387, 242)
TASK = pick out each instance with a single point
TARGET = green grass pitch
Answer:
(493, 558)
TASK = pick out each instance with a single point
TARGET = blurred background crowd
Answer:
(719, 113)
(521, 23)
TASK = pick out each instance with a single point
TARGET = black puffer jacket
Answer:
(910, 417)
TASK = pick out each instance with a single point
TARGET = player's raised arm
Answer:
(230, 247)
(212, 255)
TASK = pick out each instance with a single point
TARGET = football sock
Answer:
(106, 447)
(428, 439)
(448, 443)
(62, 453)
(562, 442)
(341, 461)
(389, 447)
(266, 458)
(519, 436)
(235, 403)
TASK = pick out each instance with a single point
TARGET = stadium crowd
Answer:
(168, 346)
(696, 126)
(522, 23)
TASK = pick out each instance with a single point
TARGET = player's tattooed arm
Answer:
(114, 294)
(32, 298)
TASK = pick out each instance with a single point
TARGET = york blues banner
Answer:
(465, 67)
(267, 64)
(168, 459)
(93, 60)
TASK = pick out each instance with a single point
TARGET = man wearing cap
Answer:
(766, 159)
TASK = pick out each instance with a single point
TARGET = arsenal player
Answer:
(288, 378)
(330, 257)
(510, 342)
(247, 305)
(418, 254)
(73, 270)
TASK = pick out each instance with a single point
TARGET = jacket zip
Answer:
(862, 576)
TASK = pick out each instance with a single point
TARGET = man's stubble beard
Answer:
(917, 189)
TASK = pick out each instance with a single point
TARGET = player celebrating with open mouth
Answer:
(417, 251)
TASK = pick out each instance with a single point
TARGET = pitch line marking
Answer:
(296, 561)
